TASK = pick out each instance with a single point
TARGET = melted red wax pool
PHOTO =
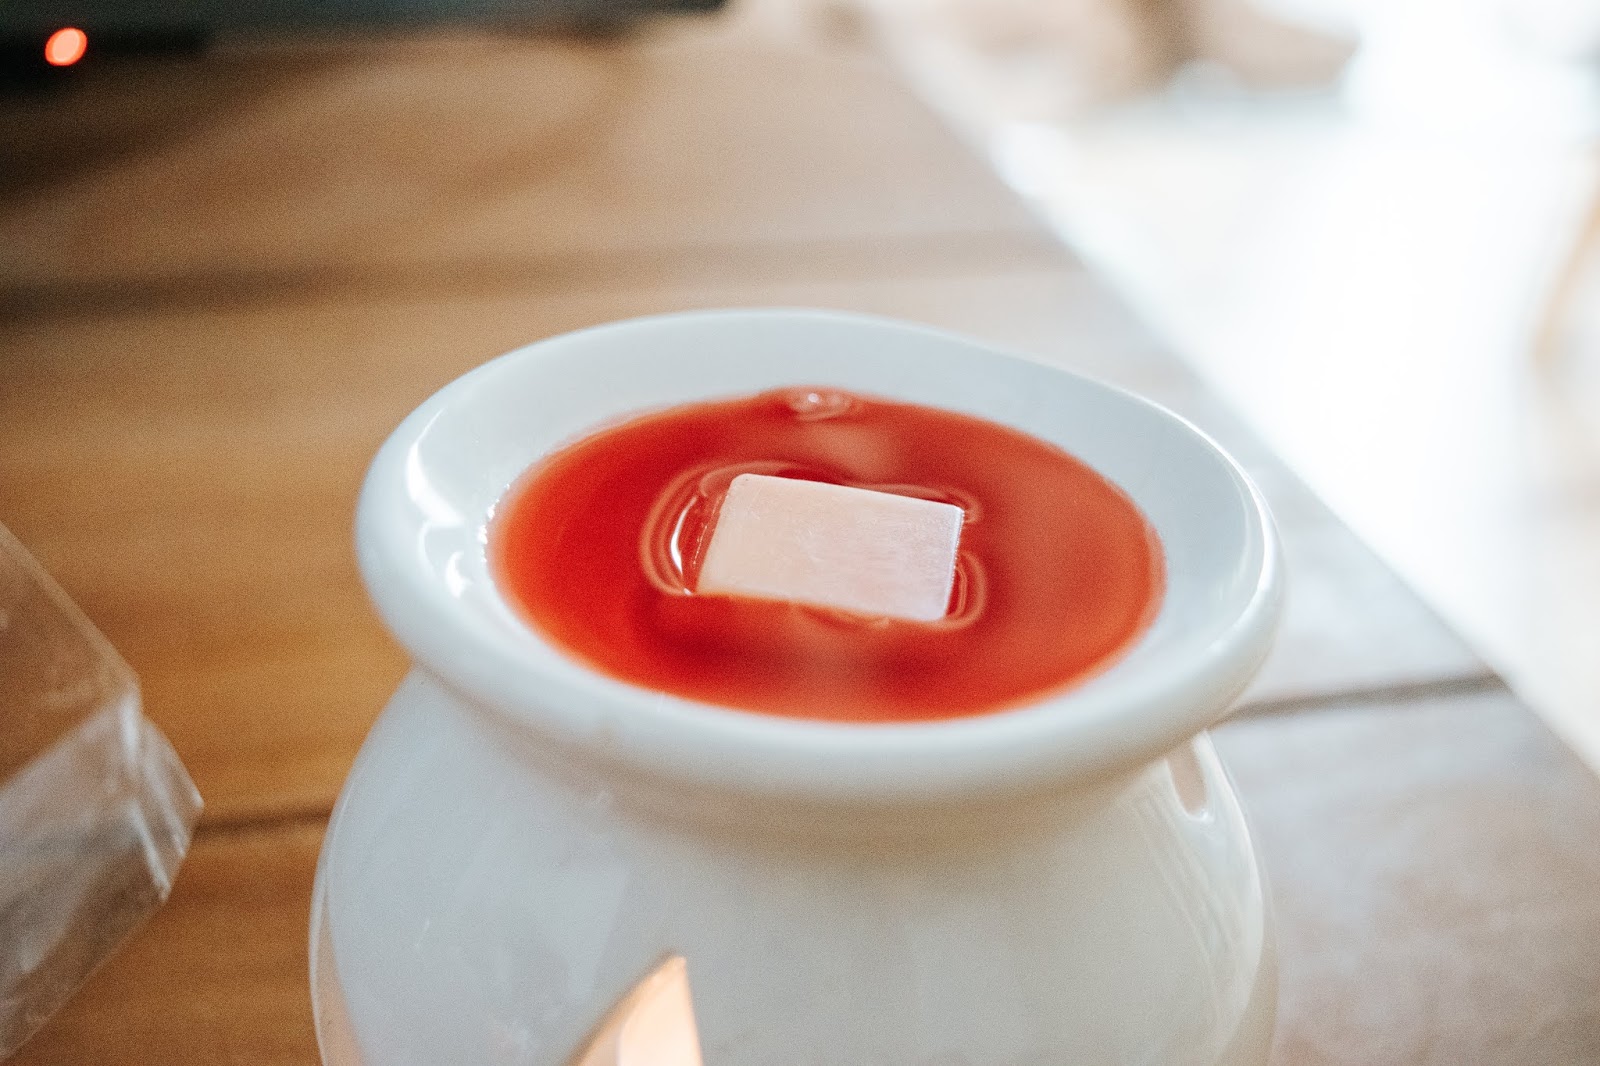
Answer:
(597, 546)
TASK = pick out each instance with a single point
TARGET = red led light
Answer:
(65, 47)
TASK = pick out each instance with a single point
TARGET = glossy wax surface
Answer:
(598, 545)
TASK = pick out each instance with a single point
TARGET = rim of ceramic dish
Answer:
(1116, 722)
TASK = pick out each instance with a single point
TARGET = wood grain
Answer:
(453, 150)
(1432, 868)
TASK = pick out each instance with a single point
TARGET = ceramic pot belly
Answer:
(483, 905)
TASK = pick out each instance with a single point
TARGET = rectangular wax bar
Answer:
(872, 553)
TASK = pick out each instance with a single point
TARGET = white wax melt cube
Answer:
(858, 550)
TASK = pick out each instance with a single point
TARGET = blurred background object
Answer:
(1045, 60)
(96, 810)
(212, 16)
(41, 39)
(1373, 225)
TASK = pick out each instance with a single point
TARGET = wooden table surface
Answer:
(222, 282)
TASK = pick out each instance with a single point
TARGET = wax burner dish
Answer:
(523, 841)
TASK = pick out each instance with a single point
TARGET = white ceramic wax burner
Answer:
(523, 841)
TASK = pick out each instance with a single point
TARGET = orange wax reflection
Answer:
(65, 47)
